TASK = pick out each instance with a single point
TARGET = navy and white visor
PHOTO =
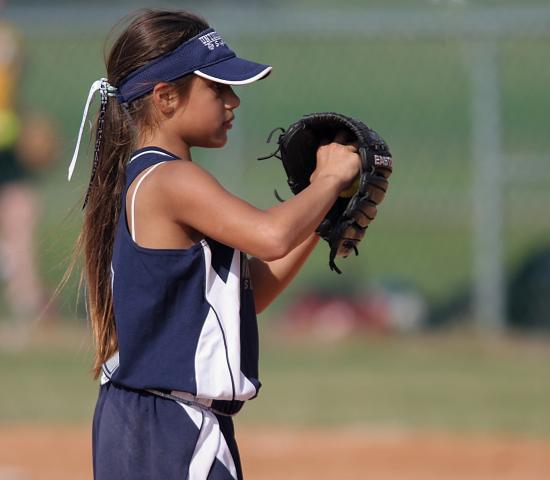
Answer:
(206, 55)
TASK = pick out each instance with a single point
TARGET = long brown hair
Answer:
(150, 34)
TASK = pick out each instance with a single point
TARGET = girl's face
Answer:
(205, 115)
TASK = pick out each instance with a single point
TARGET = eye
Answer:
(218, 87)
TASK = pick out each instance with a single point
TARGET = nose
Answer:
(232, 100)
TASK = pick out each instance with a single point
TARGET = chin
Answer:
(212, 142)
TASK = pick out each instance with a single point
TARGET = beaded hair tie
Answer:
(106, 90)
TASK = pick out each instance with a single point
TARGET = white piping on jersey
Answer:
(212, 364)
(145, 153)
(109, 367)
(112, 277)
(148, 171)
(218, 351)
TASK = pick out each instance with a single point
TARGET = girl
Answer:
(172, 294)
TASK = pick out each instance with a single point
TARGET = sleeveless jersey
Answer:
(185, 318)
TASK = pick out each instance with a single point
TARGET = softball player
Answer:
(170, 293)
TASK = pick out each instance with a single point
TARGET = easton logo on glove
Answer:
(345, 224)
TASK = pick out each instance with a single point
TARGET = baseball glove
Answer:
(346, 222)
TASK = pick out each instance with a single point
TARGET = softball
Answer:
(348, 192)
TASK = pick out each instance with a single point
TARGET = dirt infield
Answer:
(63, 453)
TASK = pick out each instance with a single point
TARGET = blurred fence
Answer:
(459, 92)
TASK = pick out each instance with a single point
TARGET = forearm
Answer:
(296, 218)
(269, 279)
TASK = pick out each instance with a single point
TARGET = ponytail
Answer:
(150, 34)
(100, 220)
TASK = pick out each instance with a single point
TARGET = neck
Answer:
(177, 147)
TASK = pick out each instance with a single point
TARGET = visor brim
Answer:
(234, 71)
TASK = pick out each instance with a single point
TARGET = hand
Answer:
(339, 160)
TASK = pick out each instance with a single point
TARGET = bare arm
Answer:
(269, 279)
(191, 196)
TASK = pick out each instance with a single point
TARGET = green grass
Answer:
(48, 381)
(457, 383)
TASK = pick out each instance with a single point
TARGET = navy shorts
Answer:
(141, 436)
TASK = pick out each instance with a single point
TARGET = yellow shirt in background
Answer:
(10, 58)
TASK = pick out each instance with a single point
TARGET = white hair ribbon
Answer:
(103, 86)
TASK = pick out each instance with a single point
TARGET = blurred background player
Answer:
(27, 144)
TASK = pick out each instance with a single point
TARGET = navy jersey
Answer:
(185, 318)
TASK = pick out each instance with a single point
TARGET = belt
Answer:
(226, 408)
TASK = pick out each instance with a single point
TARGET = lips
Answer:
(228, 123)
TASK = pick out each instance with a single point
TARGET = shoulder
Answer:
(177, 181)
(176, 174)
(180, 165)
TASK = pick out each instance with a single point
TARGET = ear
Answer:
(165, 98)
